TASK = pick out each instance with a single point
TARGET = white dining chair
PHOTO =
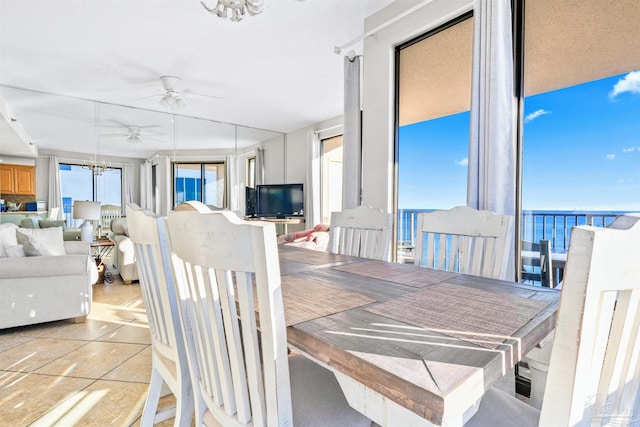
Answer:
(168, 354)
(594, 372)
(464, 240)
(541, 262)
(241, 371)
(362, 231)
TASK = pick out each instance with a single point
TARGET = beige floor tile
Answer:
(117, 313)
(103, 403)
(135, 332)
(136, 369)
(33, 354)
(26, 397)
(88, 330)
(11, 339)
(118, 294)
(92, 360)
(41, 330)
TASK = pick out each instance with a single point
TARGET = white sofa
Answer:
(123, 258)
(38, 289)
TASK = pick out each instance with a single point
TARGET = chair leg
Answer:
(153, 397)
(184, 405)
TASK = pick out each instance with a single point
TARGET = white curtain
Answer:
(492, 149)
(55, 191)
(146, 191)
(259, 166)
(312, 189)
(231, 178)
(352, 139)
(126, 186)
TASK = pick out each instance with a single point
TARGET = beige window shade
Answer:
(569, 42)
(435, 75)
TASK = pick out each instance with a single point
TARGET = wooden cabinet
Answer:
(17, 179)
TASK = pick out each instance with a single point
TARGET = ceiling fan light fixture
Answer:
(238, 8)
(133, 139)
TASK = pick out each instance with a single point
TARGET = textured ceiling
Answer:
(275, 71)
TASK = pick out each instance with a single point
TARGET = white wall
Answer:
(378, 83)
(274, 160)
(298, 146)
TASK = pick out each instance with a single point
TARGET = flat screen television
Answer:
(279, 200)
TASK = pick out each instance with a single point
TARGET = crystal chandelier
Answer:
(97, 167)
(235, 9)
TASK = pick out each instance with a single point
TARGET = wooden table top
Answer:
(435, 359)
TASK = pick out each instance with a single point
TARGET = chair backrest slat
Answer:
(594, 373)
(168, 338)
(218, 258)
(469, 241)
(362, 231)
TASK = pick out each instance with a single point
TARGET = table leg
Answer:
(538, 360)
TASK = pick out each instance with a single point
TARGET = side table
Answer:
(101, 249)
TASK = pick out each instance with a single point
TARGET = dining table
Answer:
(409, 346)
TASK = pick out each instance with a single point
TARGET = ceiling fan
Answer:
(171, 97)
(135, 134)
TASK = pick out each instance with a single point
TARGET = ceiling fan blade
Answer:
(150, 138)
(114, 134)
(190, 93)
(146, 97)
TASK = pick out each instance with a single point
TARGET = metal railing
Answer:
(554, 226)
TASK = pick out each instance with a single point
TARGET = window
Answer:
(78, 183)
(433, 92)
(204, 182)
(251, 172)
(581, 106)
(331, 177)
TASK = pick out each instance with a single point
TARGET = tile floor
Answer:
(94, 373)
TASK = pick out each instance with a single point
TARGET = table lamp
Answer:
(88, 211)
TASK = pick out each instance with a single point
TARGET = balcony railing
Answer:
(535, 225)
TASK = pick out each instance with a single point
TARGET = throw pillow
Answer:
(51, 238)
(15, 251)
(31, 245)
(7, 237)
(29, 222)
(48, 223)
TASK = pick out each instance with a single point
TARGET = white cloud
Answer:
(462, 162)
(611, 156)
(629, 83)
(629, 150)
(625, 181)
(535, 115)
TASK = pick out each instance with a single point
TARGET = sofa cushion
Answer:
(31, 245)
(48, 266)
(48, 223)
(51, 238)
(7, 237)
(15, 251)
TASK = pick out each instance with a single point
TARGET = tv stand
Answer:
(284, 221)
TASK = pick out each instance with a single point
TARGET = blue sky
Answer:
(581, 151)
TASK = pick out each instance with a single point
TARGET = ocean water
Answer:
(535, 225)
